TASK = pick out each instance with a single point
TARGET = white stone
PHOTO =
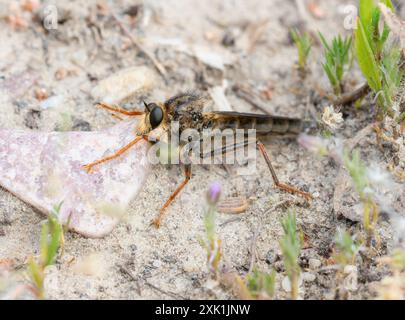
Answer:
(52, 102)
(351, 275)
(286, 284)
(308, 277)
(314, 263)
(157, 264)
(123, 84)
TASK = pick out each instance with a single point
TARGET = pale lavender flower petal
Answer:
(214, 193)
(44, 169)
(313, 144)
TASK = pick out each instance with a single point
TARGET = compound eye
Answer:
(155, 115)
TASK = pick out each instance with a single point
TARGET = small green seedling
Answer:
(345, 252)
(290, 244)
(337, 56)
(261, 285)
(50, 241)
(393, 287)
(347, 248)
(358, 172)
(212, 244)
(303, 43)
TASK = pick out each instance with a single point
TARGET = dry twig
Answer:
(249, 97)
(353, 96)
(168, 293)
(130, 275)
(160, 68)
(252, 249)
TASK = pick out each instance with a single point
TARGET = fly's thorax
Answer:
(186, 109)
(188, 118)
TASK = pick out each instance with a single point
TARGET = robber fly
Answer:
(187, 109)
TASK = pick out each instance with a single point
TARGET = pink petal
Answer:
(44, 169)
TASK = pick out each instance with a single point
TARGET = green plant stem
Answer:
(294, 286)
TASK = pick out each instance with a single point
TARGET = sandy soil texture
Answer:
(202, 45)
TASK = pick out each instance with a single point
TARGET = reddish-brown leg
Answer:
(157, 220)
(89, 167)
(277, 182)
(116, 116)
(120, 110)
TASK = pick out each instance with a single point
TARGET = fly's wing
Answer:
(262, 123)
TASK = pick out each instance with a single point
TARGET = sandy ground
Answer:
(169, 262)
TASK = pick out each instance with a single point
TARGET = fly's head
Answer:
(177, 114)
(154, 123)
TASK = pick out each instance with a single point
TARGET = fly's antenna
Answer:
(146, 106)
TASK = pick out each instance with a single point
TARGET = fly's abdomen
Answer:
(277, 125)
(263, 124)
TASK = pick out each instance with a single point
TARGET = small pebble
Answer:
(286, 284)
(191, 265)
(133, 248)
(157, 264)
(32, 119)
(80, 58)
(228, 39)
(211, 284)
(61, 74)
(270, 257)
(279, 266)
(308, 277)
(81, 125)
(314, 264)
(30, 5)
(350, 281)
(123, 84)
(52, 102)
(41, 94)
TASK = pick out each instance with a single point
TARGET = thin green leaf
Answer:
(36, 274)
(54, 241)
(43, 243)
(366, 11)
(384, 37)
(374, 33)
(324, 42)
(331, 77)
(366, 59)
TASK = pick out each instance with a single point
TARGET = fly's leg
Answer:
(116, 116)
(89, 167)
(156, 222)
(120, 110)
(277, 182)
(262, 149)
